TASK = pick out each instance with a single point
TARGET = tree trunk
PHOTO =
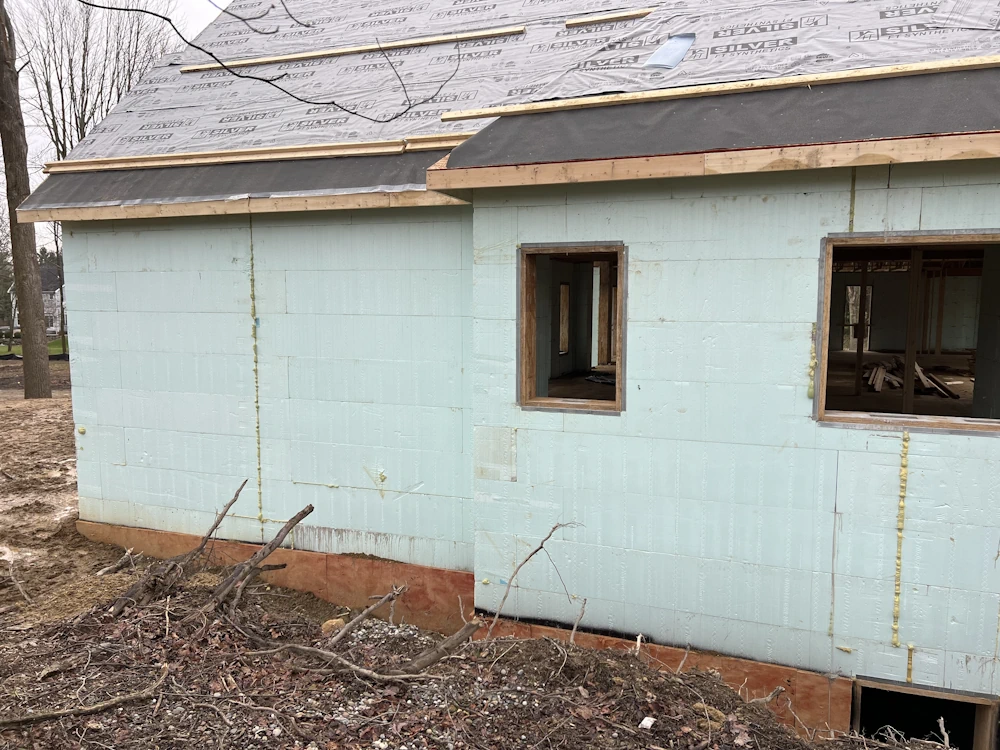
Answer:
(27, 278)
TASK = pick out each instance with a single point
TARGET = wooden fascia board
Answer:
(242, 206)
(277, 153)
(788, 158)
(734, 87)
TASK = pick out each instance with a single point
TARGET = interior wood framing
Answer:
(527, 354)
(733, 87)
(949, 147)
(421, 41)
(241, 206)
(886, 420)
(271, 153)
(987, 706)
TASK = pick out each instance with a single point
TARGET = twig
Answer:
(576, 624)
(535, 551)
(116, 566)
(87, 710)
(217, 710)
(681, 665)
(769, 697)
(329, 656)
(944, 733)
(17, 583)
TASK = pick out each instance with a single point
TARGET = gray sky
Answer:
(197, 14)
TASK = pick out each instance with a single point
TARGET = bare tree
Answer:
(82, 60)
(27, 279)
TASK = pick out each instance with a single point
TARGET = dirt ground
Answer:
(165, 675)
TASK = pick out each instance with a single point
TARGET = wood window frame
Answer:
(527, 355)
(879, 420)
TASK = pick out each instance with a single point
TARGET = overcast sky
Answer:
(197, 14)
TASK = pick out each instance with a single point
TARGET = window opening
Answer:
(930, 344)
(570, 323)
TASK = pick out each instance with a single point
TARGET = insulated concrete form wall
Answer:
(322, 353)
(714, 511)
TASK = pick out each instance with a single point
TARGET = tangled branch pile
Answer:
(189, 656)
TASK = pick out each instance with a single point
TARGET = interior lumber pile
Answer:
(891, 372)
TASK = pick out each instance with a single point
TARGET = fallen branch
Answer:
(245, 569)
(535, 551)
(346, 630)
(159, 579)
(87, 710)
(122, 562)
(438, 651)
(330, 657)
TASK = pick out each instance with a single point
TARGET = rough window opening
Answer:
(570, 327)
(931, 342)
(891, 712)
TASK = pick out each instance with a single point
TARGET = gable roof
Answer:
(398, 72)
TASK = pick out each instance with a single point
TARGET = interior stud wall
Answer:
(714, 511)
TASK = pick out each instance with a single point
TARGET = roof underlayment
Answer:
(381, 95)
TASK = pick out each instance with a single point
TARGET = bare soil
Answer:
(181, 680)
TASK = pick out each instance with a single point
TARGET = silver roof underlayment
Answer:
(380, 95)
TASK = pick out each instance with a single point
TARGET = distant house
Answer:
(737, 320)
(52, 299)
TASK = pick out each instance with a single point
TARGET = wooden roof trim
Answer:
(275, 153)
(734, 87)
(787, 158)
(421, 41)
(622, 15)
(242, 206)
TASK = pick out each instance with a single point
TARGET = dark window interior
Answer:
(931, 343)
(575, 305)
(915, 717)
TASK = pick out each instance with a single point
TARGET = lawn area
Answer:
(55, 347)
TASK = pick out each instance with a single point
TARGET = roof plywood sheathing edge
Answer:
(622, 15)
(278, 153)
(733, 87)
(786, 158)
(242, 206)
(422, 41)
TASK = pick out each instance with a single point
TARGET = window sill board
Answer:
(907, 421)
(578, 405)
